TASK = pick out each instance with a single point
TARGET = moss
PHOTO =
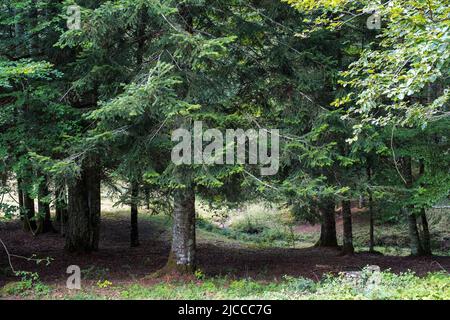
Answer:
(172, 268)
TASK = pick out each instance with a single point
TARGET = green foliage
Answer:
(29, 285)
(405, 286)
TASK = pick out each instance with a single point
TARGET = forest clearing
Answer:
(224, 150)
(279, 262)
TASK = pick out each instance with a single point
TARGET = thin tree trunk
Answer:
(147, 197)
(426, 241)
(361, 202)
(347, 224)
(61, 215)
(45, 222)
(371, 213)
(20, 196)
(29, 224)
(134, 214)
(371, 225)
(182, 254)
(426, 238)
(416, 247)
(328, 228)
(83, 224)
(414, 238)
(94, 198)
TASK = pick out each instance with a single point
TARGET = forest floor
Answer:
(221, 255)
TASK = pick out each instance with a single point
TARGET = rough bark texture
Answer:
(20, 196)
(426, 238)
(134, 236)
(347, 224)
(182, 254)
(416, 247)
(44, 222)
(61, 214)
(147, 197)
(83, 224)
(29, 224)
(414, 238)
(371, 225)
(371, 213)
(328, 228)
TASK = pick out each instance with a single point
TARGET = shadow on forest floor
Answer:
(119, 263)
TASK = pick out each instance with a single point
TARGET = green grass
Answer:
(405, 286)
(368, 286)
(265, 226)
(260, 227)
(256, 225)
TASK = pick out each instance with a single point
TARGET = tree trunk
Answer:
(61, 214)
(371, 213)
(414, 238)
(416, 247)
(147, 197)
(83, 224)
(347, 224)
(134, 214)
(44, 222)
(328, 228)
(371, 225)
(182, 254)
(20, 196)
(426, 239)
(361, 202)
(29, 224)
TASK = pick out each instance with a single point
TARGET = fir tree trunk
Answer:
(182, 254)
(29, 224)
(371, 213)
(347, 224)
(361, 202)
(61, 204)
(45, 222)
(94, 199)
(416, 247)
(426, 238)
(61, 215)
(414, 238)
(20, 196)
(371, 225)
(134, 214)
(147, 197)
(328, 228)
(83, 224)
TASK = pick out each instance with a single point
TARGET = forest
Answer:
(225, 149)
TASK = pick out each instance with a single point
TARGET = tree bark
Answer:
(371, 213)
(147, 197)
(371, 225)
(416, 247)
(426, 238)
(328, 228)
(134, 214)
(83, 224)
(182, 254)
(20, 196)
(61, 214)
(361, 202)
(44, 221)
(347, 225)
(29, 224)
